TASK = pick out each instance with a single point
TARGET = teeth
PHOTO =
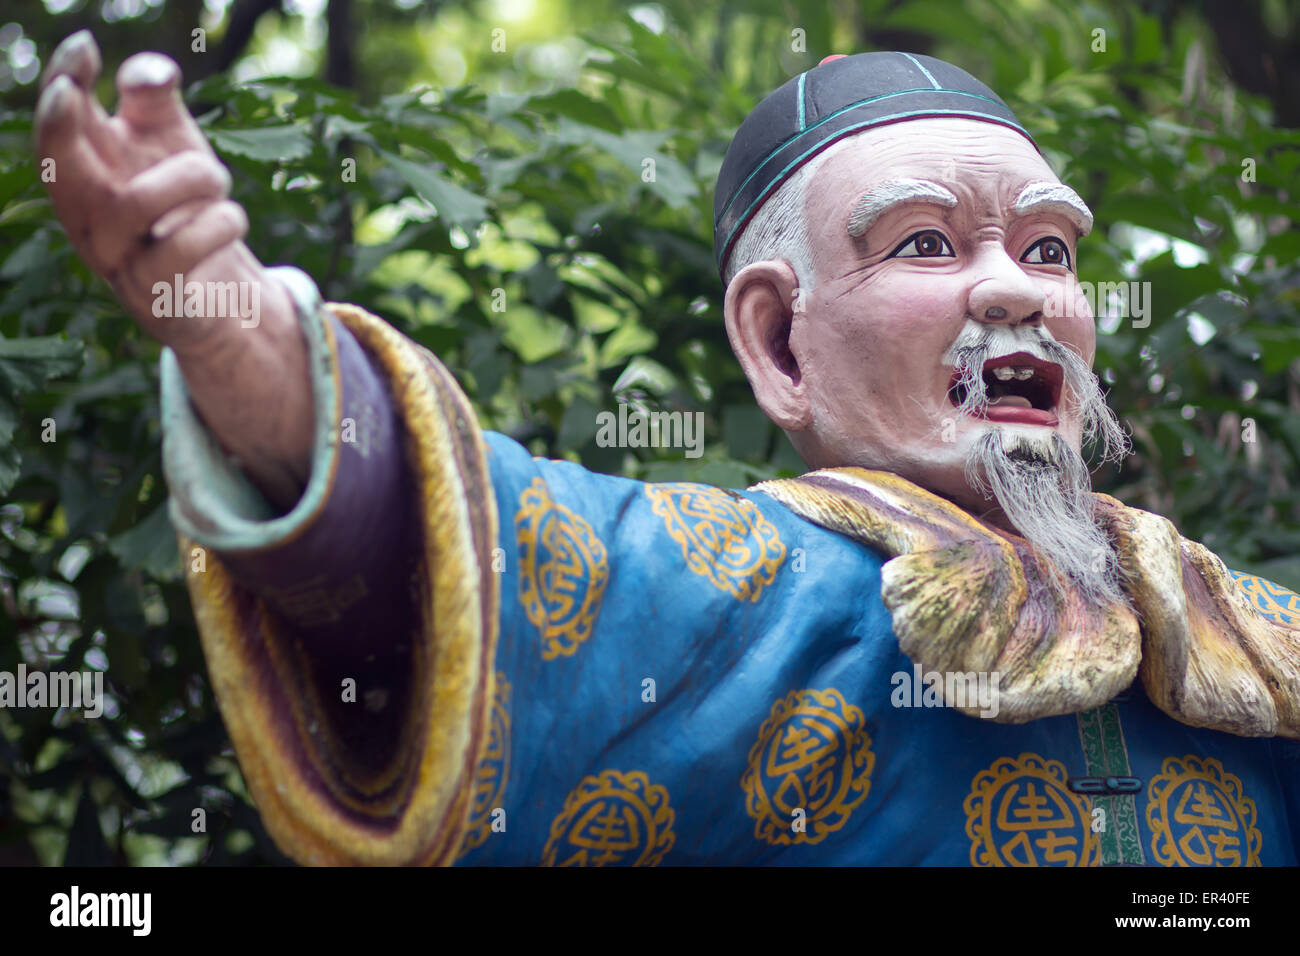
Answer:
(1006, 373)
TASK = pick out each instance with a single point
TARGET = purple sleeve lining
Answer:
(346, 574)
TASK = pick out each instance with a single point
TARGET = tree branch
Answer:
(243, 21)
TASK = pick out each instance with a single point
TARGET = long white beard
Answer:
(1041, 484)
(1043, 488)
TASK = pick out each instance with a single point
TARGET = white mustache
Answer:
(999, 340)
(978, 342)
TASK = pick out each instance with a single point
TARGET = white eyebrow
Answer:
(881, 198)
(1058, 198)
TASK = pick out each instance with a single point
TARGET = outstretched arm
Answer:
(348, 613)
(143, 199)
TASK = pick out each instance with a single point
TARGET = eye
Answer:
(1048, 252)
(929, 244)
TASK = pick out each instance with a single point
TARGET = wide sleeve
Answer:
(350, 641)
(549, 665)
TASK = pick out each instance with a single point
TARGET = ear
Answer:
(759, 310)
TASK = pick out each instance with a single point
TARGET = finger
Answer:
(190, 179)
(214, 228)
(100, 132)
(148, 91)
(77, 179)
(173, 219)
(58, 115)
(76, 57)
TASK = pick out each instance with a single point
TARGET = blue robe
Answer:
(689, 675)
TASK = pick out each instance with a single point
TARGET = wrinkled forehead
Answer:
(977, 163)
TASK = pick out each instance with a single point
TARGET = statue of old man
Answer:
(938, 646)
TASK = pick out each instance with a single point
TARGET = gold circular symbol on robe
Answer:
(723, 536)
(493, 770)
(563, 570)
(1022, 813)
(1200, 816)
(1271, 600)
(810, 768)
(613, 819)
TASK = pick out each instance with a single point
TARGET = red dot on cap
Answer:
(833, 56)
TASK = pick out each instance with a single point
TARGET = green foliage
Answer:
(611, 294)
(25, 366)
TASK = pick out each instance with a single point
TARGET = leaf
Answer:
(486, 362)
(455, 205)
(1279, 348)
(500, 173)
(10, 467)
(86, 843)
(579, 423)
(337, 127)
(534, 335)
(28, 256)
(8, 422)
(627, 340)
(1174, 286)
(543, 284)
(267, 144)
(719, 473)
(639, 151)
(577, 106)
(745, 429)
(150, 545)
(1158, 212)
(27, 364)
(178, 825)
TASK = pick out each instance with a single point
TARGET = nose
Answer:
(1001, 293)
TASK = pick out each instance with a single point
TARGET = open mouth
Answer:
(1021, 389)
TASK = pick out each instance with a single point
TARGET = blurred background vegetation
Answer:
(502, 144)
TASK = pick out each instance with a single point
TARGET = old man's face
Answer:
(943, 338)
(946, 246)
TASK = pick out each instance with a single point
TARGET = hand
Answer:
(144, 198)
(141, 194)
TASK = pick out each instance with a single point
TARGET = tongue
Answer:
(1018, 401)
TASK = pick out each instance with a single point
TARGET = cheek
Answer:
(909, 308)
(1081, 333)
(889, 329)
(928, 295)
(1077, 327)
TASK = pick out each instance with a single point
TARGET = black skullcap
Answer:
(837, 98)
